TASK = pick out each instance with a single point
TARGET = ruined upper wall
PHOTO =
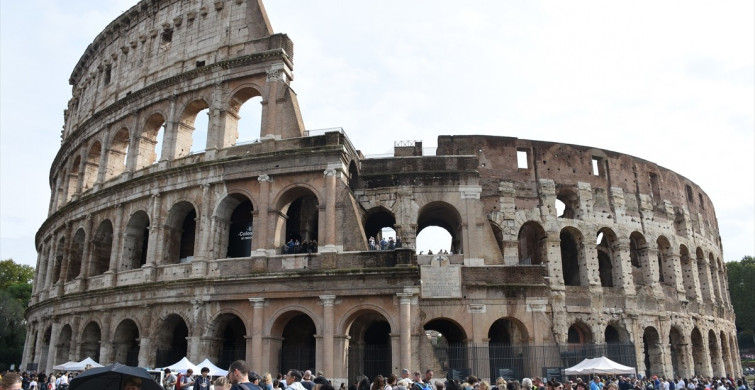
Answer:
(647, 188)
(157, 39)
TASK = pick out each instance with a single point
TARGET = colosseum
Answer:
(162, 243)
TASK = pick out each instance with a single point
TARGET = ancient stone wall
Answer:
(259, 249)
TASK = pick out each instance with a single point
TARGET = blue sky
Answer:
(668, 81)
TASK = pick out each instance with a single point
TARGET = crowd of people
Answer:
(383, 244)
(241, 377)
(293, 246)
(35, 381)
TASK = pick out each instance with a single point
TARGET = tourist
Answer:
(202, 382)
(293, 380)
(132, 383)
(378, 383)
(11, 381)
(187, 380)
(222, 383)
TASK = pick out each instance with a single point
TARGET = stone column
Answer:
(106, 342)
(38, 347)
(405, 328)
(28, 344)
(260, 239)
(624, 262)
(205, 225)
(74, 350)
(87, 253)
(144, 352)
(66, 259)
(329, 244)
(170, 136)
(328, 301)
(154, 238)
(255, 348)
(53, 346)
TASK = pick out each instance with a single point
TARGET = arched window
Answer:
(135, 242)
(531, 243)
(572, 257)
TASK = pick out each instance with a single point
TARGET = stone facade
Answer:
(146, 259)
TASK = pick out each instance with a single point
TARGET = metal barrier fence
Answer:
(518, 361)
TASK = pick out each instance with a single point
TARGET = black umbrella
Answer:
(111, 377)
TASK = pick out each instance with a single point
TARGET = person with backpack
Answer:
(238, 374)
(186, 381)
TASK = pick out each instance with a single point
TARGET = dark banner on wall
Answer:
(240, 240)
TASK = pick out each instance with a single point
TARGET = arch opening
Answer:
(126, 343)
(135, 242)
(171, 341)
(299, 348)
(449, 342)
(102, 248)
(444, 216)
(229, 342)
(571, 257)
(90, 342)
(532, 244)
(76, 255)
(505, 352)
(180, 231)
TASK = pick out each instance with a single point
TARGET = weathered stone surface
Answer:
(142, 258)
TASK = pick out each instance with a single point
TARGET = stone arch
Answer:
(92, 165)
(688, 273)
(227, 334)
(375, 220)
(90, 341)
(703, 275)
(726, 354)
(45, 350)
(73, 179)
(723, 281)
(235, 224)
(63, 348)
(609, 267)
(638, 255)
(698, 352)
(116, 153)
(573, 257)
(170, 340)
(369, 348)
(507, 337)
(135, 242)
(445, 216)
(238, 98)
(532, 243)
(569, 198)
(617, 340)
(126, 343)
(186, 127)
(579, 333)
(653, 353)
(300, 205)
(295, 345)
(180, 233)
(715, 354)
(76, 255)
(102, 248)
(147, 153)
(449, 340)
(665, 262)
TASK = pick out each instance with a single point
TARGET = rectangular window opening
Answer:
(597, 167)
(690, 198)
(200, 64)
(522, 159)
(700, 198)
(654, 187)
(108, 72)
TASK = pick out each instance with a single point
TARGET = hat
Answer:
(167, 370)
(253, 376)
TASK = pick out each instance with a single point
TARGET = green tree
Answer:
(15, 291)
(742, 291)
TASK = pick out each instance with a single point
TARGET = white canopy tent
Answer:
(183, 365)
(601, 365)
(77, 366)
(214, 370)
